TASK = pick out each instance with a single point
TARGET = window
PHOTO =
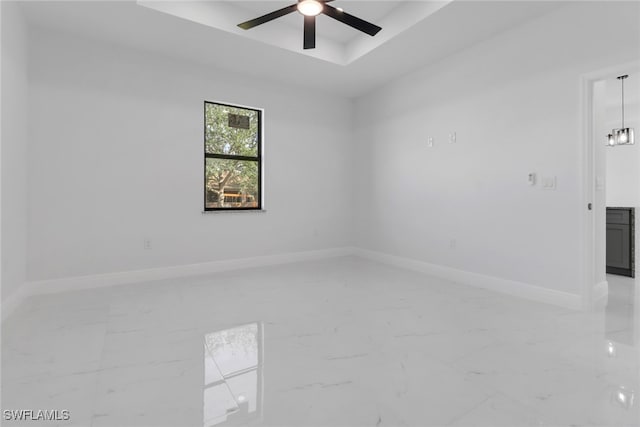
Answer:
(232, 157)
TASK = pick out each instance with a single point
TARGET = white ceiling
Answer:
(631, 91)
(335, 41)
(372, 11)
(447, 30)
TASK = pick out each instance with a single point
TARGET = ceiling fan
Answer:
(310, 9)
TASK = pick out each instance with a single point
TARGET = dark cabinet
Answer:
(620, 241)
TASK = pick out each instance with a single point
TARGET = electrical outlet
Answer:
(452, 137)
(147, 243)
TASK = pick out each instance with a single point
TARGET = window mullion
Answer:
(231, 157)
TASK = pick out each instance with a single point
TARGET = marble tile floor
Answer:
(338, 342)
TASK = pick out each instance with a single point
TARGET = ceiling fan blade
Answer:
(309, 32)
(352, 21)
(268, 17)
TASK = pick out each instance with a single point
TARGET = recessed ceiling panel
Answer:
(335, 42)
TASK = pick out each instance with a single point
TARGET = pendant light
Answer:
(622, 136)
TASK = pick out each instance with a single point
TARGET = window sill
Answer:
(234, 211)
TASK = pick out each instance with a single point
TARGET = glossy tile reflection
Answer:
(340, 342)
(233, 375)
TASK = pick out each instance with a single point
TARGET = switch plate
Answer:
(452, 137)
(549, 182)
(430, 141)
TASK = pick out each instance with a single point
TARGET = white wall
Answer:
(514, 102)
(116, 156)
(623, 162)
(14, 148)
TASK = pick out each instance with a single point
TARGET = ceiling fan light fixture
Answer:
(310, 7)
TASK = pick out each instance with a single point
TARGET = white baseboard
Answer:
(511, 287)
(518, 289)
(67, 284)
(137, 276)
(600, 293)
(10, 304)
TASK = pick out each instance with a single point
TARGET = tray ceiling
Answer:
(335, 42)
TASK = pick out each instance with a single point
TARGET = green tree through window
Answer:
(233, 157)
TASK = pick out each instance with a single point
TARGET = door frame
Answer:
(592, 291)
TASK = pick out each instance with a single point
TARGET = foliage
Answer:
(240, 343)
(220, 138)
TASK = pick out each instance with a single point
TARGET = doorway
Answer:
(618, 189)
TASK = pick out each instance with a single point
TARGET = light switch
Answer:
(549, 182)
(430, 141)
(531, 179)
